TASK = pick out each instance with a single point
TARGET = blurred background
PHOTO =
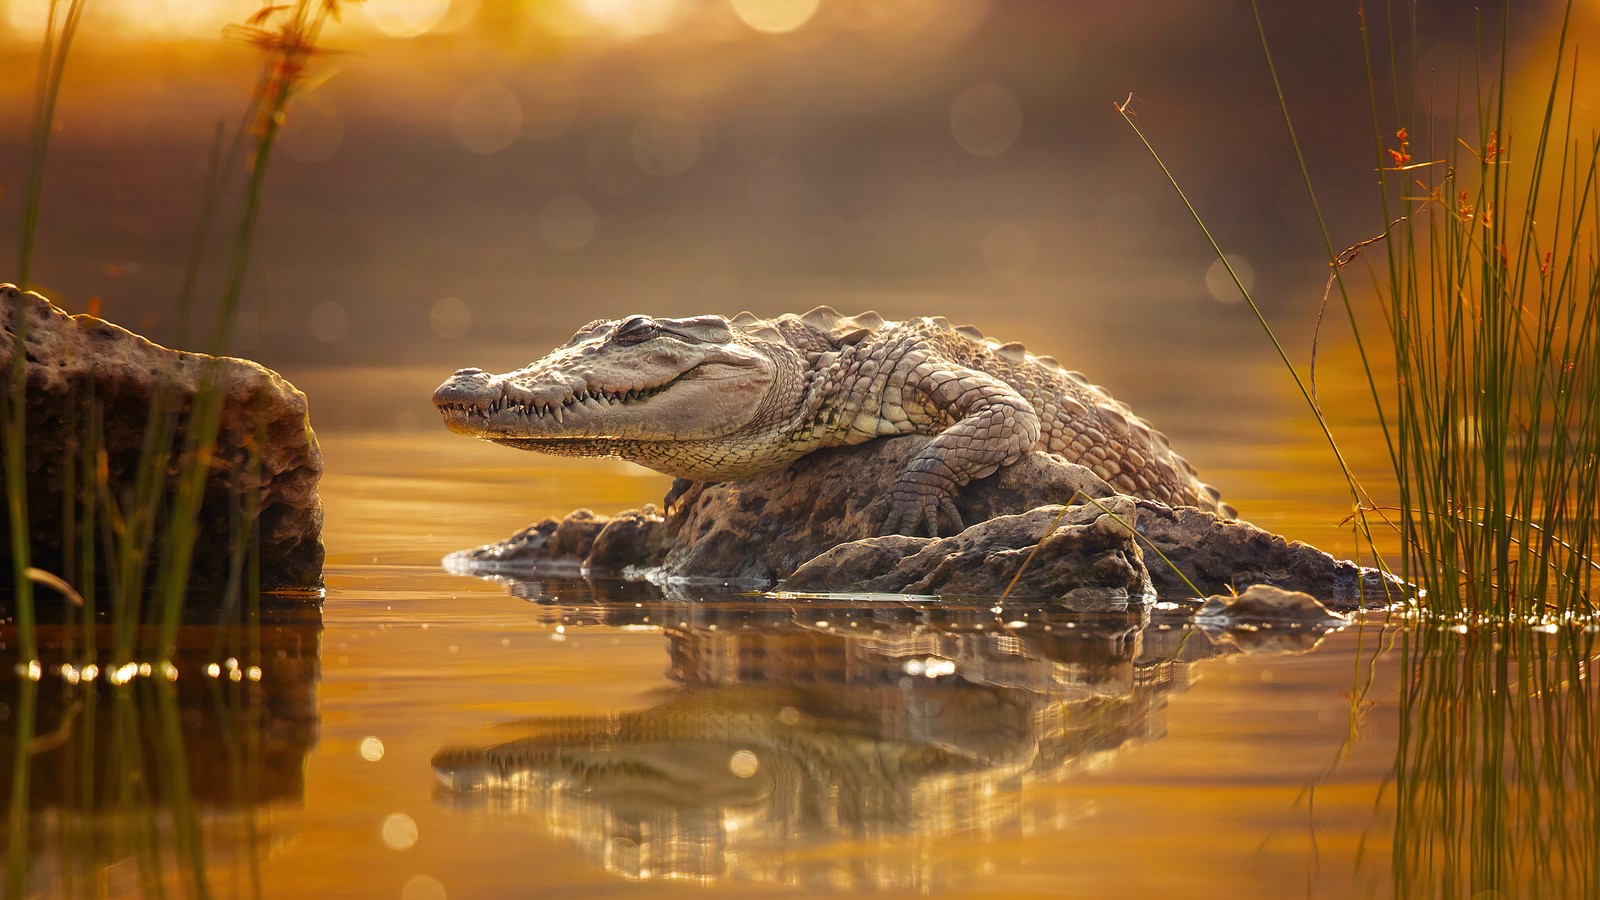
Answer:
(468, 181)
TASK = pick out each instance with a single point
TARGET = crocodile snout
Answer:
(468, 387)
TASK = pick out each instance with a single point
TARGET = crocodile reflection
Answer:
(799, 733)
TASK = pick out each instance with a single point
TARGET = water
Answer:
(431, 735)
(737, 745)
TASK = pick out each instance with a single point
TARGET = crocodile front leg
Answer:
(994, 426)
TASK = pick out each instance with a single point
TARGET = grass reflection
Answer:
(1498, 756)
(151, 778)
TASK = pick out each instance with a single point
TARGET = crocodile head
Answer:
(632, 387)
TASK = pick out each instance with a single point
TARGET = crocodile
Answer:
(710, 398)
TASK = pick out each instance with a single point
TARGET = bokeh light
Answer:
(371, 749)
(986, 119)
(744, 763)
(1221, 286)
(146, 19)
(328, 321)
(1010, 250)
(399, 832)
(567, 222)
(775, 16)
(423, 887)
(404, 18)
(632, 17)
(486, 118)
(666, 143)
(312, 132)
(449, 317)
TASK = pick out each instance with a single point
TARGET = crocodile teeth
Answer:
(560, 415)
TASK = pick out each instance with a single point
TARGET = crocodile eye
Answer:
(636, 330)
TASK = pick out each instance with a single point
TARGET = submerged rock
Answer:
(810, 528)
(581, 540)
(266, 455)
(1266, 619)
(1265, 604)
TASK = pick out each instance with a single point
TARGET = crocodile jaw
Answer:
(672, 397)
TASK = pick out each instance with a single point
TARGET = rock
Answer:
(762, 529)
(579, 541)
(809, 527)
(1265, 604)
(1086, 552)
(635, 538)
(1219, 554)
(71, 358)
(1267, 620)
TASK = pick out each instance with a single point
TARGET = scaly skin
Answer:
(714, 399)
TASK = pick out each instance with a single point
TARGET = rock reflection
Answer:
(803, 734)
(171, 766)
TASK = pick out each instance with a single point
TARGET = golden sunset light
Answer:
(461, 449)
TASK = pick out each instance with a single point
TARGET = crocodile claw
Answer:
(915, 510)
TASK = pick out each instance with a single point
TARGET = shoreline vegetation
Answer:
(138, 543)
(1486, 306)
(1486, 299)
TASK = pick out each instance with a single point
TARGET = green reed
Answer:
(1490, 297)
(138, 540)
(52, 66)
(1486, 308)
